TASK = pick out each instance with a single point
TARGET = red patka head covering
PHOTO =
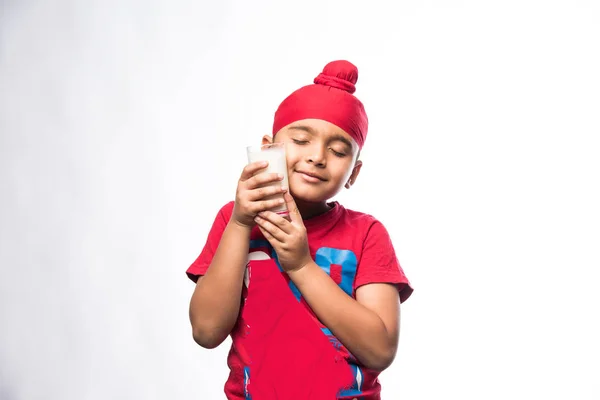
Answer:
(330, 99)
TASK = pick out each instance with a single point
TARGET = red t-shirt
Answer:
(280, 350)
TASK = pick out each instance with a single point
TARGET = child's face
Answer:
(321, 159)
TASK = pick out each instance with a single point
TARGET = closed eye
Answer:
(300, 141)
(337, 153)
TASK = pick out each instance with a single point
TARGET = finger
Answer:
(277, 220)
(271, 228)
(267, 235)
(295, 216)
(251, 169)
(263, 179)
(264, 193)
(258, 206)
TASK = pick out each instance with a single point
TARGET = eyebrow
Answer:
(342, 139)
(304, 128)
(335, 137)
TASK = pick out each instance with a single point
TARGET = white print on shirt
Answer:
(255, 255)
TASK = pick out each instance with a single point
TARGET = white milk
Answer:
(275, 156)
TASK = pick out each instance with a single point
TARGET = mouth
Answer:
(310, 177)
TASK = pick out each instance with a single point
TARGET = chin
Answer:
(306, 196)
(310, 196)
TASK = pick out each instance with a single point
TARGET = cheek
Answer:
(343, 170)
(292, 156)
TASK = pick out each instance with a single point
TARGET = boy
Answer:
(312, 302)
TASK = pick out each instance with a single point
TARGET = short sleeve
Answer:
(379, 264)
(200, 265)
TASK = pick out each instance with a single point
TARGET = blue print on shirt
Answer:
(326, 256)
(247, 395)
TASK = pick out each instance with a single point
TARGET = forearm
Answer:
(360, 329)
(215, 303)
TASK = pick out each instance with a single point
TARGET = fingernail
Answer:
(283, 189)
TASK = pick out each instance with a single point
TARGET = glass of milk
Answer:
(274, 154)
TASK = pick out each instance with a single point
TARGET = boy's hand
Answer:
(252, 196)
(288, 238)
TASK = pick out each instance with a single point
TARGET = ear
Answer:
(354, 175)
(267, 139)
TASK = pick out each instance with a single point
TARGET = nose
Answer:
(317, 156)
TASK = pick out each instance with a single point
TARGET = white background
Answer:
(123, 126)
